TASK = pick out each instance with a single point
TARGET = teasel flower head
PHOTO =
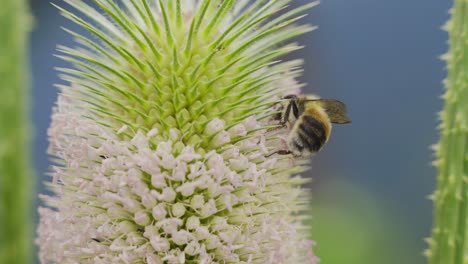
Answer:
(162, 136)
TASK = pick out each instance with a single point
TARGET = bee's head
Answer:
(279, 108)
(290, 97)
(283, 104)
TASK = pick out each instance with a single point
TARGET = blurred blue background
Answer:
(372, 180)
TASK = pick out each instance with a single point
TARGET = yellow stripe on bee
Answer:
(314, 110)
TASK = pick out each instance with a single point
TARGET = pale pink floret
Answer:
(160, 205)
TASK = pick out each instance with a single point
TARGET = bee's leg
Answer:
(279, 152)
(295, 109)
(285, 118)
(283, 152)
(274, 128)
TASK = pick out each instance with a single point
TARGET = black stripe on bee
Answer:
(311, 141)
(314, 123)
(317, 135)
(312, 133)
(307, 141)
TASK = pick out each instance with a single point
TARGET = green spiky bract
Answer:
(180, 70)
(449, 241)
(15, 174)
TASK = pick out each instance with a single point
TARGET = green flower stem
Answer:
(449, 242)
(15, 173)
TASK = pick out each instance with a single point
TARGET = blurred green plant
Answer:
(15, 172)
(448, 244)
(351, 226)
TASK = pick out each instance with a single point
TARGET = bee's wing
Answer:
(335, 110)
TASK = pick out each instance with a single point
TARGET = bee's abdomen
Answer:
(311, 134)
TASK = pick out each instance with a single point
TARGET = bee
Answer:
(311, 123)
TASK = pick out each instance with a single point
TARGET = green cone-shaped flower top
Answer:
(162, 136)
